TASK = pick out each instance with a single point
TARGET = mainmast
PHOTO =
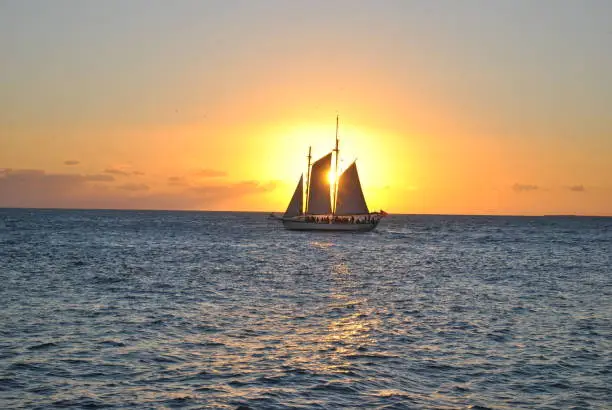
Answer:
(335, 197)
(308, 179)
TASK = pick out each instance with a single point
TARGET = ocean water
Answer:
(124, 309)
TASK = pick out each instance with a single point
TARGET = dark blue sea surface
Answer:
(125, 309)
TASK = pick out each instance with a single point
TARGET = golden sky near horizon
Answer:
(449, 107)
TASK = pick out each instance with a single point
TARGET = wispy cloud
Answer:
(36, 188)
(134, 187)
(177, 181)
(577, 188)
(24, 173)
(233, 190)
(39, 175)
(122, 171)
(117, 171)
(524, 187)
(71, 162)
(99, 178)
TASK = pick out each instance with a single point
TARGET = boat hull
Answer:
(300, 225)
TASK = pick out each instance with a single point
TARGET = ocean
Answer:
(149, 309)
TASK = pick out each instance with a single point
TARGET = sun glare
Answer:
(331, 177)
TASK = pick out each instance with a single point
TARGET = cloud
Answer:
(194, 179)
(99, 178)
(577, 188)
(71, 162)
(230, 191)
(524, 187)
(23, 173)
(134, 187)
(210, 173)
(117, 171)
(13, 176)
(36, 189)
(177, 181)
(122, 170)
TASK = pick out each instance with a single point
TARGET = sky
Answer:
(449, 107)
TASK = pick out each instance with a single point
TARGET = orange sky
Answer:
(471, 108)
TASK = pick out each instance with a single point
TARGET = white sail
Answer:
(318, 195)
(296, 203)
(350, 199)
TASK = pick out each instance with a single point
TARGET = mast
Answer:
(335, 172)
(308, 179)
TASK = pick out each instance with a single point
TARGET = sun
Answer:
(331, 177)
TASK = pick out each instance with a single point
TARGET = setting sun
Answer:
(221, 116)
(331, 177)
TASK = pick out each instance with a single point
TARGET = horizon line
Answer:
(274, 212)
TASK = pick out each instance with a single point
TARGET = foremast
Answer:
(308, 179)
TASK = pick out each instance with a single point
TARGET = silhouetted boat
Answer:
(341, 207)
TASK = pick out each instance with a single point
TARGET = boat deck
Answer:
(302, 225)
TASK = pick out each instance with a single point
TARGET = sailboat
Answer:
(324, 206)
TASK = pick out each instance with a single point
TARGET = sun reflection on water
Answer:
(326, 342)
(329, 340)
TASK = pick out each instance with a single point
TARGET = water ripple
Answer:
(108, 309)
